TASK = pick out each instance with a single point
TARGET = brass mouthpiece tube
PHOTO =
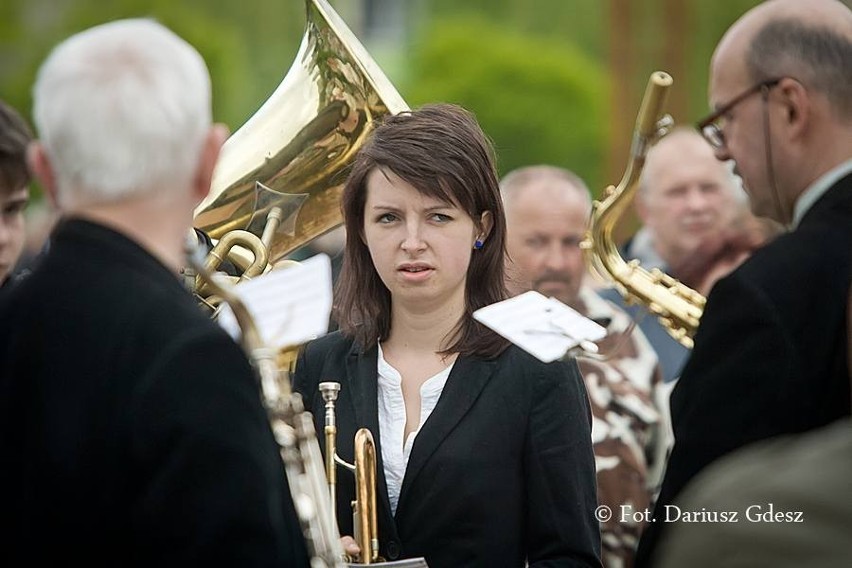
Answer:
(364, 513)
(329, 392)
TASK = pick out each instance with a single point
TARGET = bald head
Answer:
(687, 148)
(547, 209)
(556, 183)
(782, 77)
(686, 197)
(810, 41)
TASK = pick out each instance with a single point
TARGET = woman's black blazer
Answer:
(501, 472)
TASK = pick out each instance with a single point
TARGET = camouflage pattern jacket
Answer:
(630, 428)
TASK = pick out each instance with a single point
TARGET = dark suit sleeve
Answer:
(304, 381)
(217, 493)
(560, 466)
(736, 388)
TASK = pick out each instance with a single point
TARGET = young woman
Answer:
(484, 453)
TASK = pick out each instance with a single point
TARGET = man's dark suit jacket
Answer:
(502, 469)
(131, 428)
(771, 353)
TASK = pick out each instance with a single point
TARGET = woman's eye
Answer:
(441, 218)
(386, 218)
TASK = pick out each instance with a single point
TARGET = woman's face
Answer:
(420, 246)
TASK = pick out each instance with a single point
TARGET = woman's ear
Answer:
(486, 223)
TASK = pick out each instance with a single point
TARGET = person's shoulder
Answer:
(329, 346)
(518, 361)
(793, 259)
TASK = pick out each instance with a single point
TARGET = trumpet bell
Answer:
(293, 153)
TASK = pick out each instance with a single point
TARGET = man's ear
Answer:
(42, 169)
(797, 105)
(216, 137)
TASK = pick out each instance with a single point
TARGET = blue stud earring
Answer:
(478, 244)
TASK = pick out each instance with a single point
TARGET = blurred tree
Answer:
(539, 100)
(248, 52)
(578, 21)
(249, 46)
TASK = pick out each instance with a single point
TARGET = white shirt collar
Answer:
(395, 449)
(817, 189)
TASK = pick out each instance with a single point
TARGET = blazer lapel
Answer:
(361, 370)
(467, 379)
(362, 380)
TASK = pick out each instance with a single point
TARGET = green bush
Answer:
(540, 101)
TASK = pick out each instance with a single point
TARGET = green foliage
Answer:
(540, 101)
(248, 52)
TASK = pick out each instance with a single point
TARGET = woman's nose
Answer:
(413, 240)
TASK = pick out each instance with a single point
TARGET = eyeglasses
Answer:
(711, 127)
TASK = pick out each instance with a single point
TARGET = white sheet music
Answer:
(406, 563)
(290, 306)
(543, 327)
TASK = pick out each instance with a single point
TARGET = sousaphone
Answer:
(292, 154)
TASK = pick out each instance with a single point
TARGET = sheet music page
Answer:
(290, 306)
(543, 327)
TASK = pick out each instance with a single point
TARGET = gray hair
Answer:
(818, 57)
(122, 110)
(733, 182)
(513, 182)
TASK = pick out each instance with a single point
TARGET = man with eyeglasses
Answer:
(771, 354)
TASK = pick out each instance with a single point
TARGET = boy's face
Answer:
(12, 205)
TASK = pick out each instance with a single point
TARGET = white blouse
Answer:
(395, 451)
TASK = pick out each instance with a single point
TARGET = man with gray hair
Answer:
(696, 227)
(131, 425)
(547, 209)
(685, 197)
(771, 354)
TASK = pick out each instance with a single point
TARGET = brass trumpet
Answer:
(365, 519)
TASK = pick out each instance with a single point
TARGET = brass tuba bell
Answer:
(292, 154)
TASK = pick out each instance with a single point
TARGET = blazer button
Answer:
(393, 550)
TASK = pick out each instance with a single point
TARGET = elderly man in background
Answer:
(697, 227)
(547, 209)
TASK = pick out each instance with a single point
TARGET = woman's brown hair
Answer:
(441, 151)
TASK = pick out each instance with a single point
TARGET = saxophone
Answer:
(292, 426)
(677, 306)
